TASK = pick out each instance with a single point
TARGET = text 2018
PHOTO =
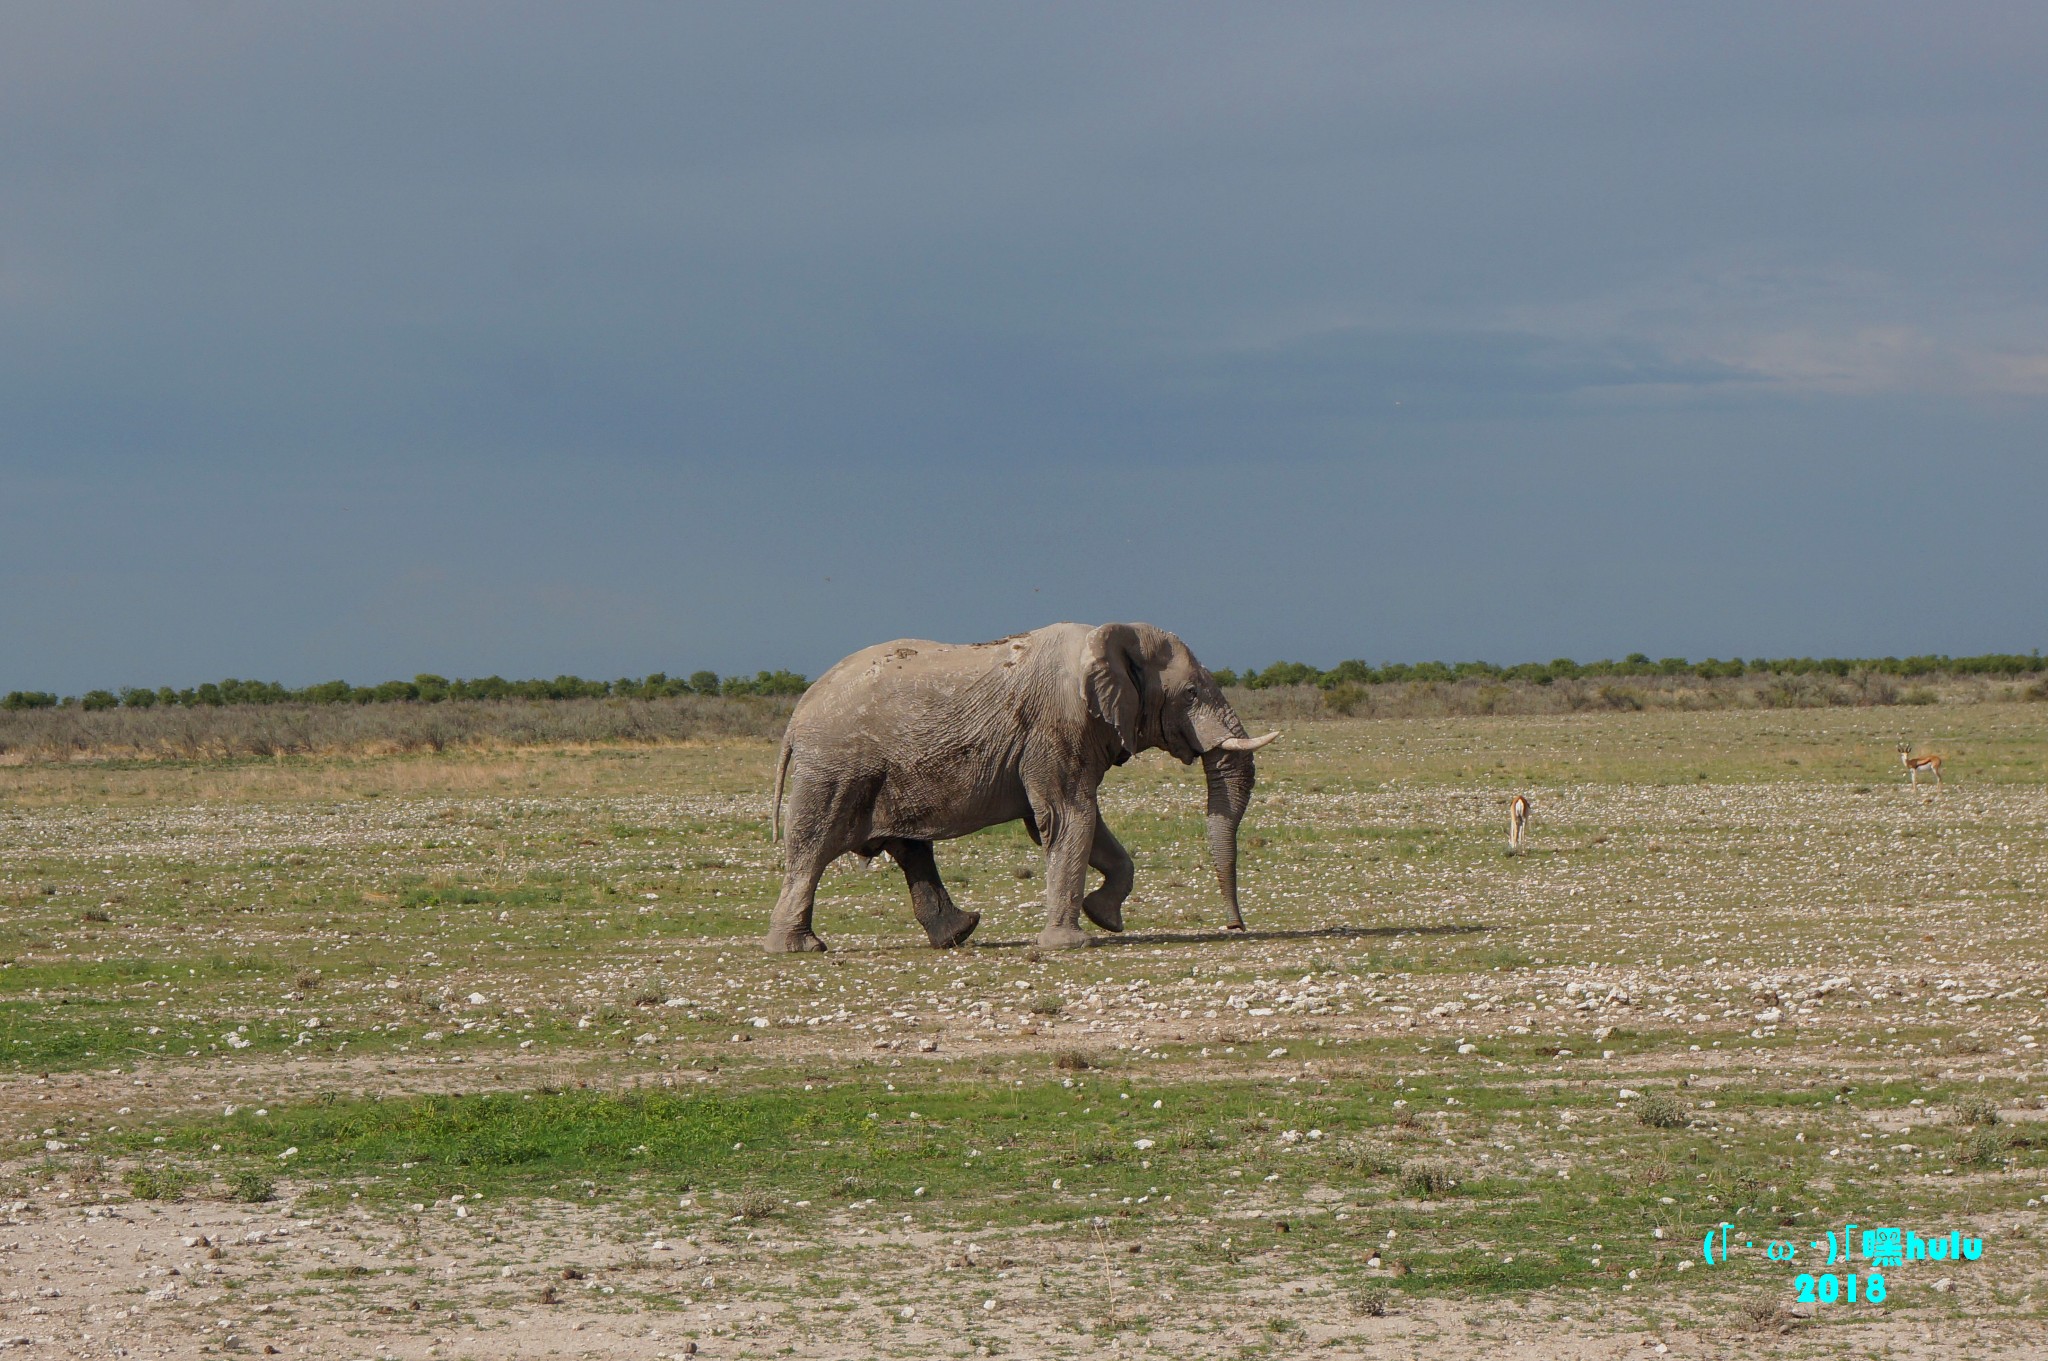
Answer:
(1828, 1288)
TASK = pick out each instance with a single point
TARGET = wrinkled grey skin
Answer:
(913, 742)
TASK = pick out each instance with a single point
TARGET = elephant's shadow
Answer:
(1105, 940)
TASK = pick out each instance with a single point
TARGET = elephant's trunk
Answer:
(1230, 793)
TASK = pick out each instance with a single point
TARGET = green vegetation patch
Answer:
(1482, 1184)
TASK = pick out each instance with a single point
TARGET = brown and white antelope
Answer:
(1518, 823)
(1915, 764)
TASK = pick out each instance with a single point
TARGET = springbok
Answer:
(1915, 764)
(1518, 823)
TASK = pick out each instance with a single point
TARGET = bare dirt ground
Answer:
(1839, 982)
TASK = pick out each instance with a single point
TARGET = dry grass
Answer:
(1766, 1314)
(1632, 694)
(236, 732)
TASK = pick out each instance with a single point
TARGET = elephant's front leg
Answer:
(1105, 906)
(945, 924)
(1068, 835)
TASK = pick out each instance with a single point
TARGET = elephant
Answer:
(911, 742)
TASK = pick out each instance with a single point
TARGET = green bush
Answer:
(28, 699)
(1282, 673)
(765, 683)
(158, 1183)
(99, 699)
(1345, 698)
(1982, 1147)
(251, 1185)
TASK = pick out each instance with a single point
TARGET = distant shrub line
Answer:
(2007, 664)
(421, 689)
(432, 689)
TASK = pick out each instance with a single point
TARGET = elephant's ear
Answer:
(1111, 682)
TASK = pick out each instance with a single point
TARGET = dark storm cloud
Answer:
(360, 339)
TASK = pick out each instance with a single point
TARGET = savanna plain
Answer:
(475, 1054)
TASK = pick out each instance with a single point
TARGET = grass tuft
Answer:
(756, 1203)
(1374, 1301)
(1983, 1147)
(158, 1183)
(251, 1186)
(1660, 1111)
(1428, 1178)
(1765, 1314)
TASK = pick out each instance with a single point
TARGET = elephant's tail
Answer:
(781, 770)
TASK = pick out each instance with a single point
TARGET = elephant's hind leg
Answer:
(1105, 906)
(789, 929)
(945, 924)
(828, 816)
(803, 864)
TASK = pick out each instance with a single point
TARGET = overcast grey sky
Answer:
(364, 339)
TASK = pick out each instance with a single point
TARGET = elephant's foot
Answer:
(1062, 938)
(1104, 913)
(955, 931)
(792, 942)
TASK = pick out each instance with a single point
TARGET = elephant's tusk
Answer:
(1246, 743)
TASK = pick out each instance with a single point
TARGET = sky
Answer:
(359, 340)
